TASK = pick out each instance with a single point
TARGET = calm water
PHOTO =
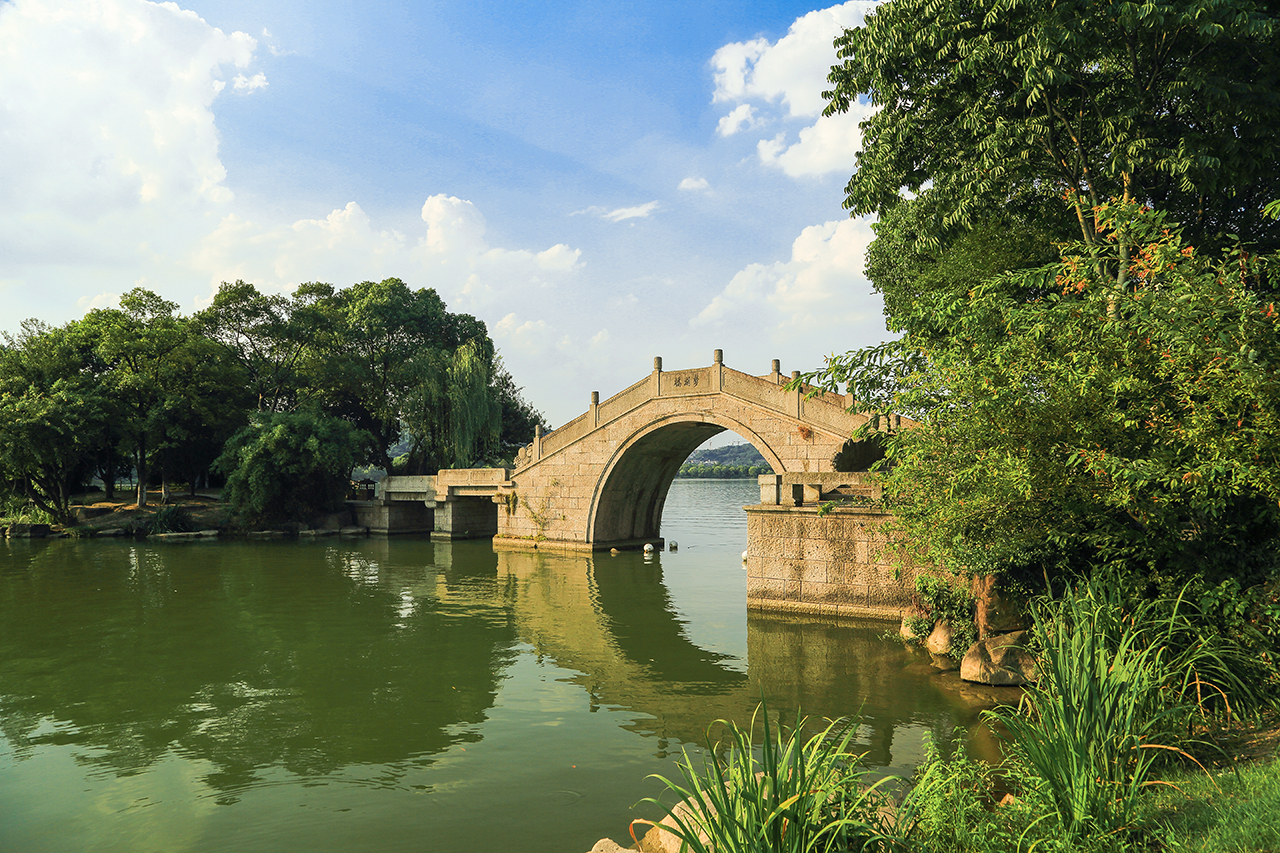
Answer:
(400, 694)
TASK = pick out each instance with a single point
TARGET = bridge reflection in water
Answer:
(611, 619)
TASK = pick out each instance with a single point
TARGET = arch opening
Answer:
(628, 503)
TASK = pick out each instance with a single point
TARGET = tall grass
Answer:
(1119, 689)
(789, 796)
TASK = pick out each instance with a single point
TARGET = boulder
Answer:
(939, 640)
(606, 845)
(994, 611)
(354, 531)
(111, 531)
(999, 661)
(83, 513)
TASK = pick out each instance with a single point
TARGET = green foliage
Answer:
(1233, 811)
(51, 410)
(949, 805)
(172, 518)
(19, 510)
(289, 466)
(1119, 688)
(722, 472)
(944, 601)
(797, 795)
(1000, 105)
(1130, 421)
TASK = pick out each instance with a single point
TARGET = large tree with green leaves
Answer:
(289, 466)
(989, 110)
(52, 413)
(171, 388)
(1086, 427)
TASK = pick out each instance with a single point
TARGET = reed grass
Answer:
(790, 795)
(1120, 689)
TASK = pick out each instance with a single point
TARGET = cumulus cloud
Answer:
(793, 69)
(743, 116)
(831, 144)
(694, 184)
(792, 73)
(102, 300)
(451, 254)
(111, 154)
(820, 287)
(248, 84)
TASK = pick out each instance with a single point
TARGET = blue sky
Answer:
(599, 182)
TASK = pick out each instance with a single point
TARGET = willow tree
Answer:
(453, 417)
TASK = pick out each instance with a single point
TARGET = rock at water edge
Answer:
(939, 641)
(999, 661)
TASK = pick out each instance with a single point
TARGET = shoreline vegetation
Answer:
(1141, 734)
(203, 514)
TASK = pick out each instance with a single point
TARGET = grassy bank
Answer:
(1144, 732)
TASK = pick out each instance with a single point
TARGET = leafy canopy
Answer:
(1000, 104)
(1138, 428)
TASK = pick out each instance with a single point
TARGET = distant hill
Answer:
(731, 462)
(730, 454)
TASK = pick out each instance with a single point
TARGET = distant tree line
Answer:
(280, 395)
(722, 472)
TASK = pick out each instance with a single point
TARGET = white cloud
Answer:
(248, 84)
(559, 257)
(694, 184)
(530, 337)
(102, 300)
(793, 72)
(621, 214)
(111, 161)
(793, 69)
(830, 144)
(822, 286)
(639, 212)
(452, 254)
(743, 115)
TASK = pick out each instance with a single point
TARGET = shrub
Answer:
(946, 602)
(172, 518)
(289, 466)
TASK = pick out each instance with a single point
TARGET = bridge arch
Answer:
(627, 502)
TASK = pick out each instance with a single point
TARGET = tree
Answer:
(289, 466)
(269, 337)
(388, 361)
(51, 413)
(988, 111)
(168, 384)
(1089, 427)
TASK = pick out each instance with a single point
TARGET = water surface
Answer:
(399, 694)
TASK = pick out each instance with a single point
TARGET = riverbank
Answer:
(1228, 804)
(202, 515)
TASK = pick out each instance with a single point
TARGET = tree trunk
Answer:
(142, 472)
(109, 475)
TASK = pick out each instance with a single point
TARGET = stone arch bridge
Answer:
(601, 480)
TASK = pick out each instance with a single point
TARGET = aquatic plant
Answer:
(789, 794)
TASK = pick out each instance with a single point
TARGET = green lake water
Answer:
(399, 694)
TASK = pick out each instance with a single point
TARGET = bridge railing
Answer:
(813, 488)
